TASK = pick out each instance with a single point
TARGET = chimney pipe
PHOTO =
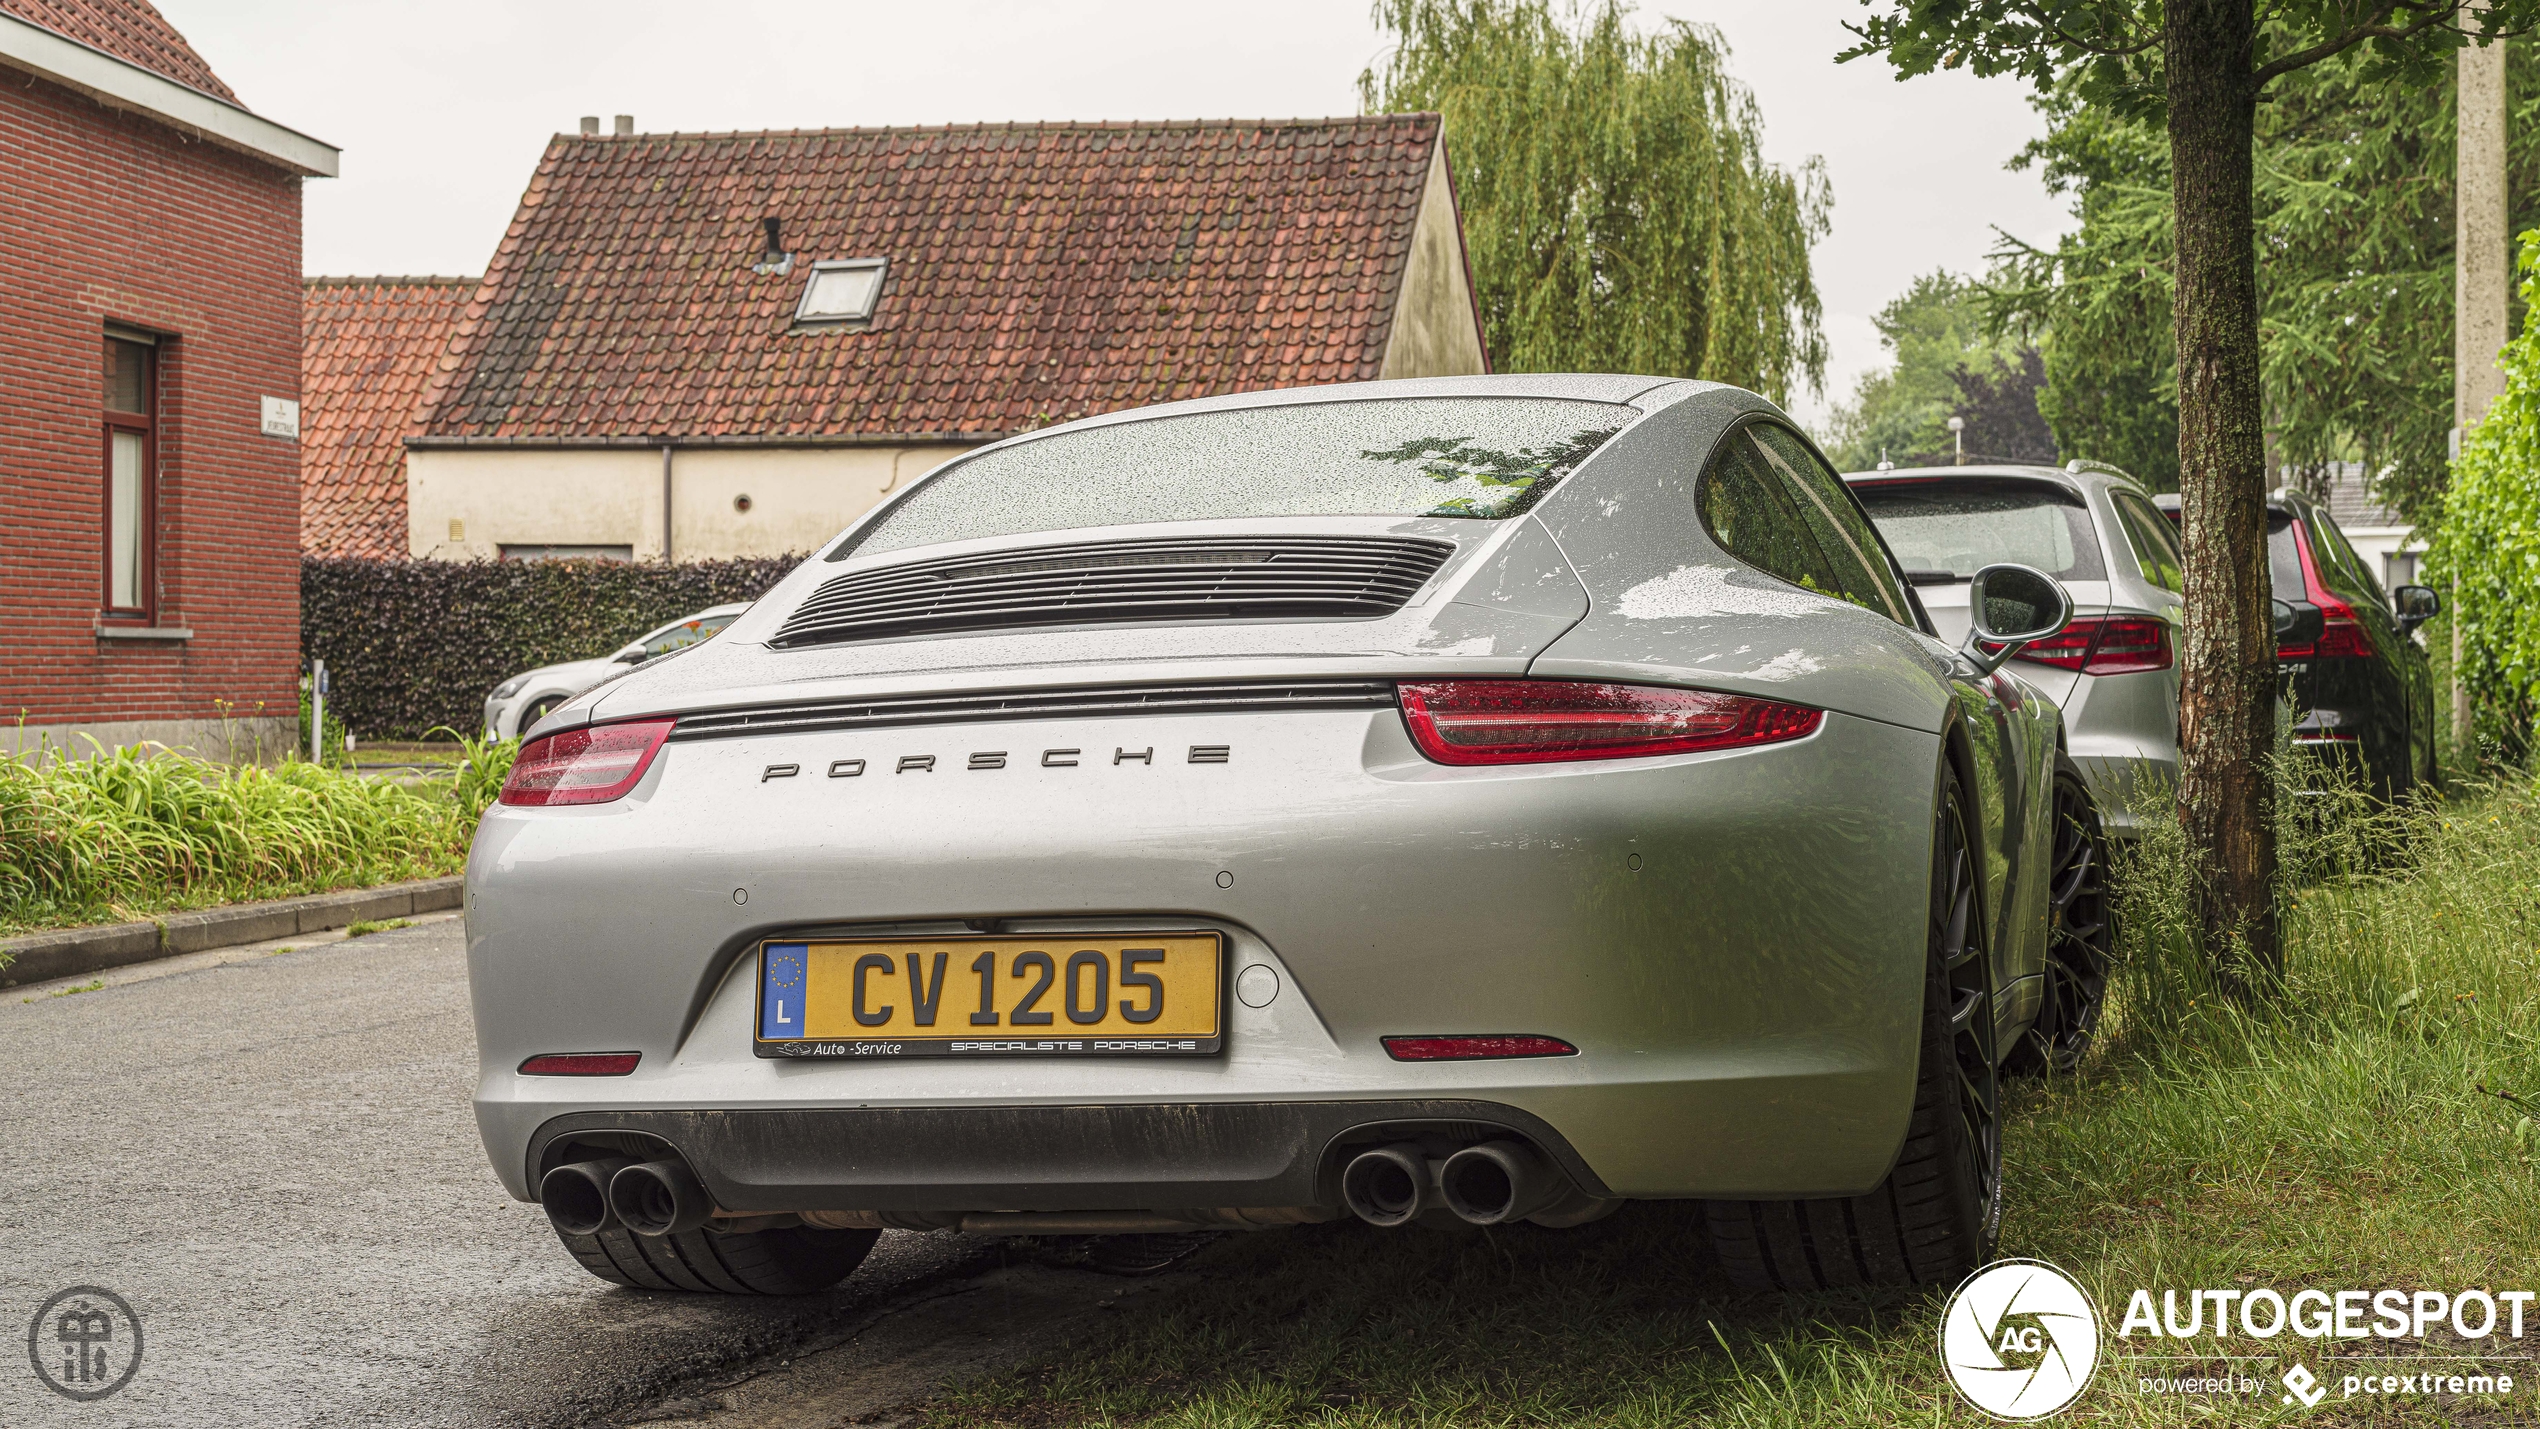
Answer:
(625, 126)
(590, 126)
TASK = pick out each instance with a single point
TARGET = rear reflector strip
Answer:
(1539, 721)
(1475, 1049)
(580, 1064)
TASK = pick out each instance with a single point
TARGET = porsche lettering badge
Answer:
(992, 759)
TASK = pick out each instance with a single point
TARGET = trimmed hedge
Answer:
(410, 645)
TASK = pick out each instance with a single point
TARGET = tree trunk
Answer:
(2227, 680)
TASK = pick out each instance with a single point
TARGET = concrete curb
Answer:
(42, 957)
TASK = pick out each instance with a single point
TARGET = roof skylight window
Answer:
(841, 290)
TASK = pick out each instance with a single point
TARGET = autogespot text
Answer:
(2476, 1321)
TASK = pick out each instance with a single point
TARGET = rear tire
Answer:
(537, 711)
(2081, 942)
(1936, 1215)
(794, 1261)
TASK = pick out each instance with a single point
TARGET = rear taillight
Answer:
(585, 766)
(1474, 1049)
(2341, 636)
(581, 1064)
(1534, 721)
(2111, 645)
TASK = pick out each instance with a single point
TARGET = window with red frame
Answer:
(130, 454)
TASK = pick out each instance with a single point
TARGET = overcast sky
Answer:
(442, 108)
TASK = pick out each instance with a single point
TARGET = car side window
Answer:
(1754, 516)
(1835, 518)
(2351, 564)
(2155, 551)
(685, 634)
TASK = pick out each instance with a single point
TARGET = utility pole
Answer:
(2478, 294)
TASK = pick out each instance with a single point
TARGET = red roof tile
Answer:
(130, 30)
(1038, 272)
(368, 346)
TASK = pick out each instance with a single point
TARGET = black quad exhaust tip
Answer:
(1384, 1187)
(577, 1196)
(659, 1198)
(1499, 1181)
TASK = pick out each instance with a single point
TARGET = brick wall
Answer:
(110, 217)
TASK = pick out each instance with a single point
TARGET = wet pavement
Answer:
(269, 1155)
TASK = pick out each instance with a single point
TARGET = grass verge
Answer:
(2338, 1139)
(137, 832)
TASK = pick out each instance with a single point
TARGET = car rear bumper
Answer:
(1733, 941)
(932, 1160)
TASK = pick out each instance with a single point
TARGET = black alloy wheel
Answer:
(1964, 963)
(1936, 1216)
(2081, 939)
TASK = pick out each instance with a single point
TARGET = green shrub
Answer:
(415, 644)
(133, 832)
(2489, 542)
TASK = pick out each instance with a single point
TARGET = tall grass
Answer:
(144, 830)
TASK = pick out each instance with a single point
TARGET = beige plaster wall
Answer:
(1434, 331)
(798, 497)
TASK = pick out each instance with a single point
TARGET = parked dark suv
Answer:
(2361, 685)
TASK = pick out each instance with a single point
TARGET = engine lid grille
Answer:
(887, 710)
(1183, 580)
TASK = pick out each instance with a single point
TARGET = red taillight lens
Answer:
(2129, 647)
(585, 766)
(2104, 646)
(1532, 721)
(2066, 649)
(2342, 636)
(581, 1064)
(1474, 1049)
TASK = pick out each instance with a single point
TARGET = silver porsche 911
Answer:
(1478, 800)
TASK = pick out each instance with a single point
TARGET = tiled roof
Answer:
(2346, 489)
(131, 31)
(367, 350)
(1038, 272)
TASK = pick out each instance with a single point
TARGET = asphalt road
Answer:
(272, 1159)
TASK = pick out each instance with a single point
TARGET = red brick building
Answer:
(150, 345)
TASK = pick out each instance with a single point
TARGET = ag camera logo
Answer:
(2019, 1340)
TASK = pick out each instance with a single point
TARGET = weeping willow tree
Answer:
(1618, 213)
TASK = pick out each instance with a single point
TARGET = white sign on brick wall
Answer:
(281, 417)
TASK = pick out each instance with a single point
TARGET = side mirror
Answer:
(631, 655)
(2415, 605)
(2009, 607)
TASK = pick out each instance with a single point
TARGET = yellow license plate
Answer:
(1138, 994)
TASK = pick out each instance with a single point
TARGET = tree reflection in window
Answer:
(1509, 482)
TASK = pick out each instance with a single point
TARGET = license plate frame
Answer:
(1187, 959)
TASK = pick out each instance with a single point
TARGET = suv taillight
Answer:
(2105, 645)
(1537, 721)
(585, 766)
(2341, 636)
